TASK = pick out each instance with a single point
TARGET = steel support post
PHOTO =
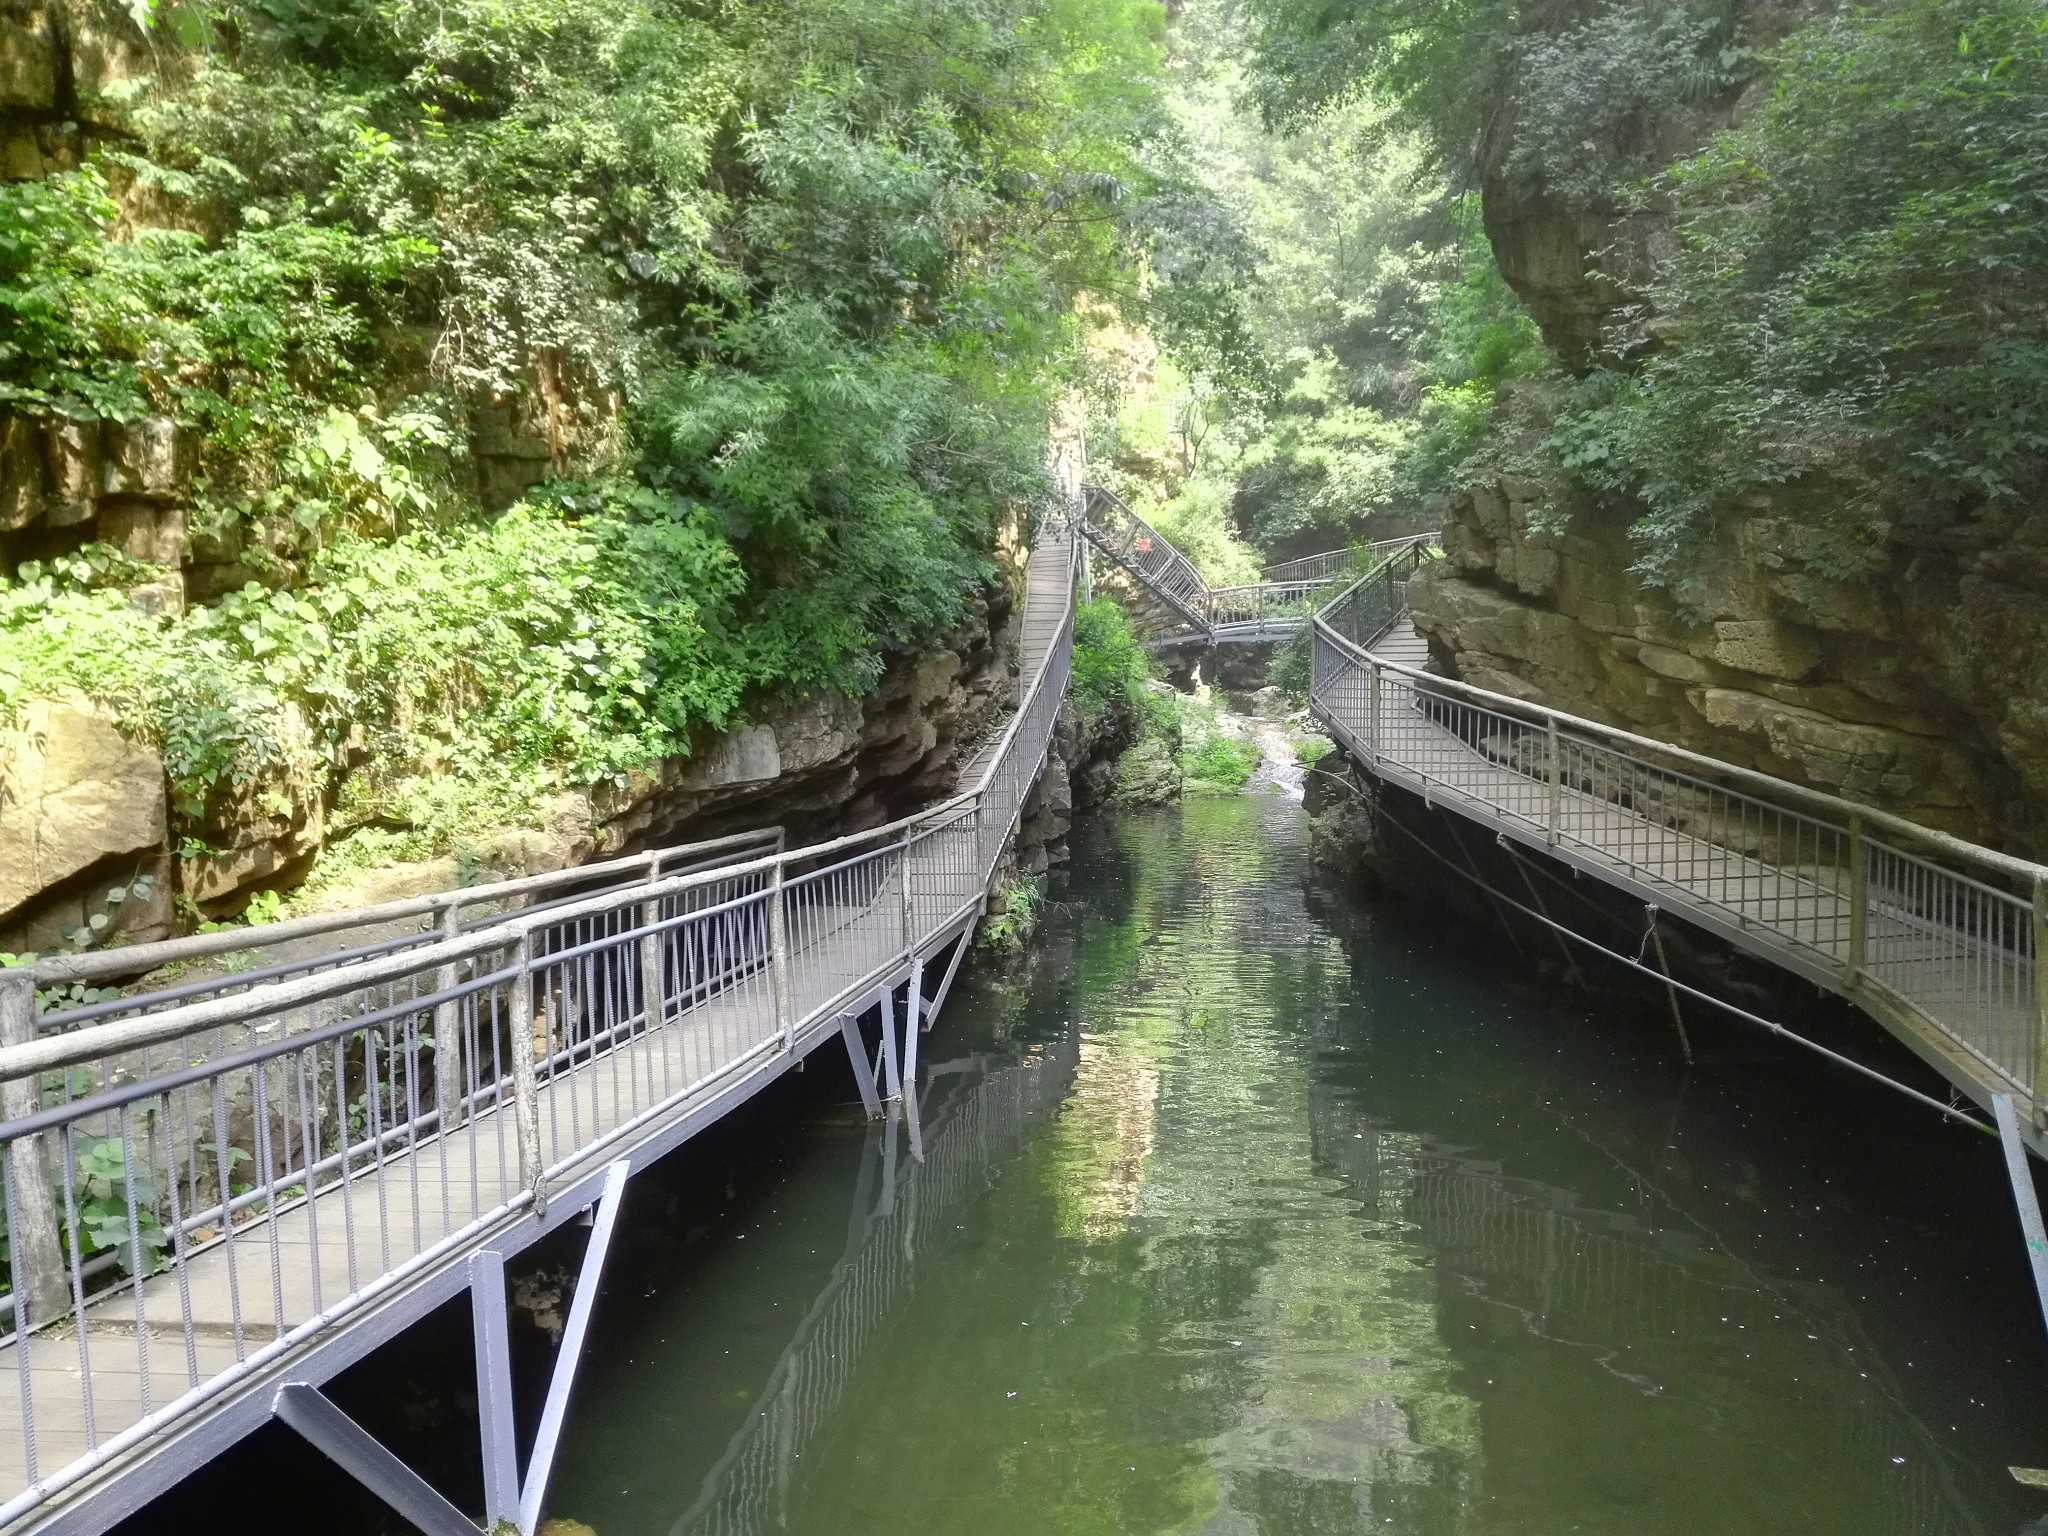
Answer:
(1859, 904)
(494, 1386)
(863, 1073)
(525, 1085)
(547, 1440)
(778, 957)
(1372, 711)
(654, 1004)
(1555, 770)
(34, 1243)
(2041, 999)
(352, 1448)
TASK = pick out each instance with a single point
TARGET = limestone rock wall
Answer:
(1923, 691)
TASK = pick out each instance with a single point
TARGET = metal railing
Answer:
(1271, 608)
(1140, 549)
(1311, 568)
(1939, 938)
(270, 952)
(193, 1192)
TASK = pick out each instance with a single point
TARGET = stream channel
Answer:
(1248, 1206)
(1250, 1203)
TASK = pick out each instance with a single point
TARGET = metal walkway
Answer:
(1939, 940)
(301, 1160)
(1269, 609)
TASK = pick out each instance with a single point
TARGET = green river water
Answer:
(1246, 1208)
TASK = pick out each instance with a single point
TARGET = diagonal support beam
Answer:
(549, 1439)
(2023, 1194)
(857, 1057)
(356, 1451)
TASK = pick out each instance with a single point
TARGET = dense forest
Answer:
(485, 397)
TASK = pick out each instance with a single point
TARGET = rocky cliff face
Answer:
(1923, 691)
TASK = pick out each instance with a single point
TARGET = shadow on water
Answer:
(1250, 1207)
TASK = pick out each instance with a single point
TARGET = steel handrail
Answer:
(1542, 714)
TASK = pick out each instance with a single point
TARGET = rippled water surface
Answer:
(1244, 1209)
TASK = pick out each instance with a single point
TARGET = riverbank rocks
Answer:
(1922, 689)
(1148, 775)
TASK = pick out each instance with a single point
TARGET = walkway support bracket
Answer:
(548, 1439)
(2023, 1195)
(357, 1452)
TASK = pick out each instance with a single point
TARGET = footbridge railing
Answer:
(1275, 606)
(218, 1196)
(1941, 940)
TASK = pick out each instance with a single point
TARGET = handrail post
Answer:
(1372, 709)
(778, 956)
(1555, 773)
(654, 1005)
(525, 1085)
(1859, 903)
(30, 1200)
(2041, 999)
(903, 875)
(448, 1029)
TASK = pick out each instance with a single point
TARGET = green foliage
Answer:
(1213, 756)
(1022, 905)
(1856, 303)
(822, 261)
(1441, 63)
(1222, 762)
(1326, 464)
(1110, 669)
(1591, 93)
(1292, 668)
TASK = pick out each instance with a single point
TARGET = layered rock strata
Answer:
(1923, 690)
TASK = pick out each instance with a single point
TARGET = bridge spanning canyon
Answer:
(223, 1192)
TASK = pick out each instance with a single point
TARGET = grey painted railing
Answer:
(195, 1193)
(1941, 940)
(1272, 608)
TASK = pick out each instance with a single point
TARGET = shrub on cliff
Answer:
(1857, 301)
(776, 299)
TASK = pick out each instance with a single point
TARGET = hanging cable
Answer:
(1948, 1111)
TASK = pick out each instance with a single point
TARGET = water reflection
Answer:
(1252, 1217)
(980, 1107)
